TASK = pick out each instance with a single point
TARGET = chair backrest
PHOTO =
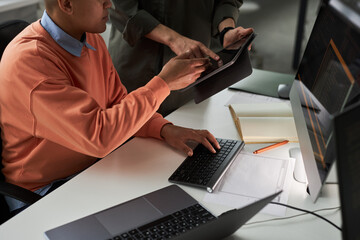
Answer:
(5, 214)
(8, 30)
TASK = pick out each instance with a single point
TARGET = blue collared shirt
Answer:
(66, 41)
(74, 47)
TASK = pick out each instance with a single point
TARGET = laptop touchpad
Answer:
(127, 216)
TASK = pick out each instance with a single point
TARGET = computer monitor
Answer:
(347, 135)
(327, 81)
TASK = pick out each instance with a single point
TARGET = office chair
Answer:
(8, 31)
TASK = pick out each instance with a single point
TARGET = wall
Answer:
(19, 9)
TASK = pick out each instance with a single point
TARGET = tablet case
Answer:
(240, 69)
(227, 56)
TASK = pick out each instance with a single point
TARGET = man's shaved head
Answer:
(76, 17)
(50, 4)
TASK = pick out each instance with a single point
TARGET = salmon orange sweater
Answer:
(59, 112)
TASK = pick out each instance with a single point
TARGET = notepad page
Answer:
(262, 110)
(252, 177)
(264, 122)
(268, 129)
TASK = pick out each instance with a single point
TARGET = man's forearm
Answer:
(228, 22)
(162, 34)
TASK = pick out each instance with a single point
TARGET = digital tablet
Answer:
(236, 72)
(228, 56)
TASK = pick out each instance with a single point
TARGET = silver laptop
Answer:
(168, 213)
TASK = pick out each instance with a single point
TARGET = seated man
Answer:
(63, 105)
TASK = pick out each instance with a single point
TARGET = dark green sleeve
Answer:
(131, 21)
(225, 9)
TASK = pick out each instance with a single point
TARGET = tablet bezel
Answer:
(245, 45)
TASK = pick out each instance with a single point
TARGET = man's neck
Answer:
(66, 24)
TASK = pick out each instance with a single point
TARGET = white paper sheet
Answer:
(252, 177)
(244, 97)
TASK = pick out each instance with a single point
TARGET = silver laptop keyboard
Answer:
(170, 226)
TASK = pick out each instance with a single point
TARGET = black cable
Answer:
(309, 212)
(293, 216)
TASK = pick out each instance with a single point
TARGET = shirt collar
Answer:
(66, 41)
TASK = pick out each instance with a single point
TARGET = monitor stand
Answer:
(299, 169)
(284, 91)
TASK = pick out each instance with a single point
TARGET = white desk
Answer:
(144, 165)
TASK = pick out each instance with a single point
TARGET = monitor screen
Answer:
(327, 81)
(347, 135)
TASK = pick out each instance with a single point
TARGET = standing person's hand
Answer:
(182, 70)
(178, 137)
(235, 35)
(180, 44)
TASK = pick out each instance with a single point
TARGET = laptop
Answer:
(167, 213)
(347, 137)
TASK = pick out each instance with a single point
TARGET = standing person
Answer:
(145, 34)
(63, 105)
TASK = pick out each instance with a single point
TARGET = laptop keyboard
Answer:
(170, 226)
(204, 169)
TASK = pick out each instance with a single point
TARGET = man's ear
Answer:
(66, 6)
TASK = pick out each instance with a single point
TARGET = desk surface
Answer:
(128, 173)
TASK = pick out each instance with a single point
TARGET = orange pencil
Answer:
(270, 147)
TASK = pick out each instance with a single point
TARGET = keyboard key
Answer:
(204, 168)
(169, 226)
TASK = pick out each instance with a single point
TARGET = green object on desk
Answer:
(263, 82)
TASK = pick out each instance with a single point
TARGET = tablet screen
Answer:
(228, 56)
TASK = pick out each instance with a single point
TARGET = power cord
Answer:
(302, 210)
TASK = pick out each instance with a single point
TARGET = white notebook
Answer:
(264, 122)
